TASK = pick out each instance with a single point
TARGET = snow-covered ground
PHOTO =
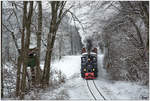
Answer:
(76, 89)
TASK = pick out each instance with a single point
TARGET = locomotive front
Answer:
(89, 65)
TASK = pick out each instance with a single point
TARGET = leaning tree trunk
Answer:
(57, 15)
(51, 38)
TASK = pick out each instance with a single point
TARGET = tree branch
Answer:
(13, 36)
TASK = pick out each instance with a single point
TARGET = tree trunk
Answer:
(2, 65)
(27, 42)
(20, 58)
(145, 9)
(19, 62)
(38, 70)
(2, 85)
(71, 43)
(55, 21)
(60, 46)
(138, 33)
(48, 54)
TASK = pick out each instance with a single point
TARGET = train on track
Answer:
(89, 68)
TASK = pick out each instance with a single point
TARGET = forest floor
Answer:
(75, 87)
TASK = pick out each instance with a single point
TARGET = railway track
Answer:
(95, 92)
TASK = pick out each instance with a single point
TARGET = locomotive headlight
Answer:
(83, 59)
(93, 69)
(84, 69)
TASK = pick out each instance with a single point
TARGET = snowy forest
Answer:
(53, 33)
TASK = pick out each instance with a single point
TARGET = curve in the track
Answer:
(92, 93)
(90, 90)
(98, 90)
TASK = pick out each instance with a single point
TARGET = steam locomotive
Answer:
(89, 68)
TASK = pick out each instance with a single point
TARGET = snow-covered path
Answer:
(77, 89)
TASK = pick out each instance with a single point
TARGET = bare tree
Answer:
(24, 49)
(57, 11)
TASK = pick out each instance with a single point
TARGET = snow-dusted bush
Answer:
(9, 80)
(57, 78)
(53, 92)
